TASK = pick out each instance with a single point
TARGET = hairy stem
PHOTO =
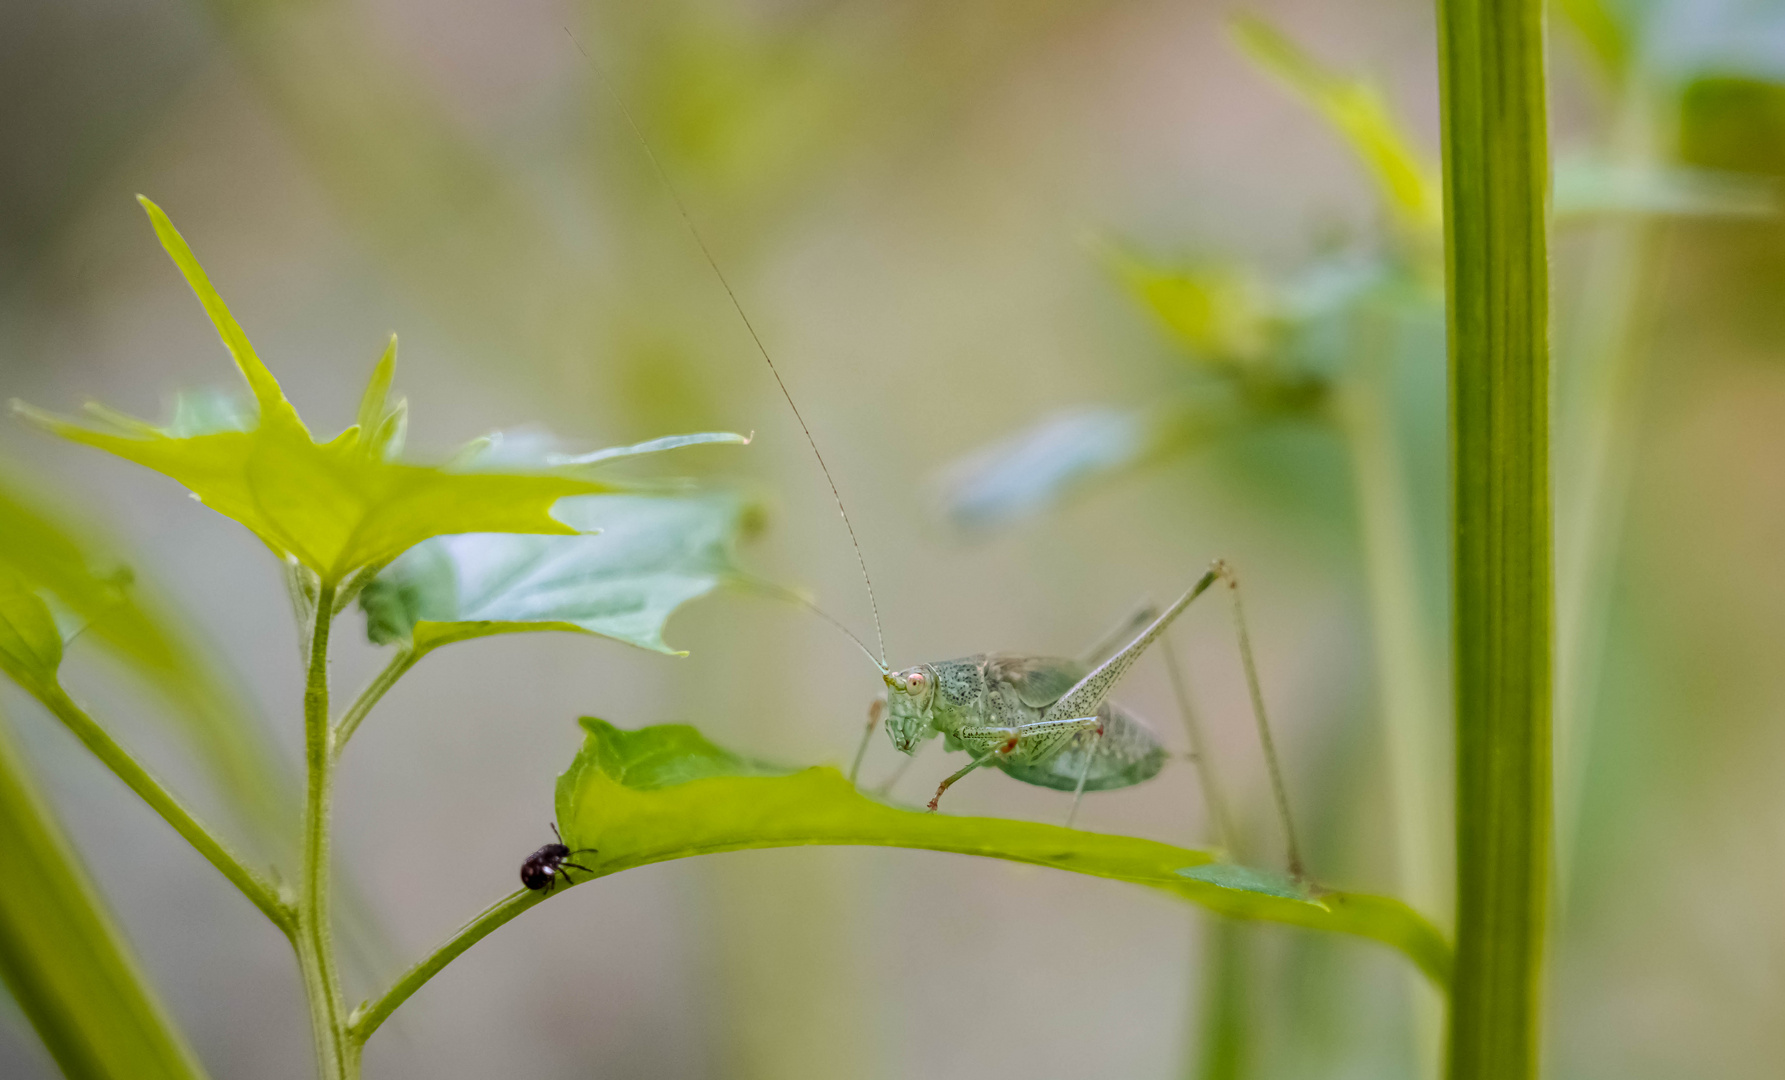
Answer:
(380, 685)
(124, 765)
(368, 1017)
(315, 936)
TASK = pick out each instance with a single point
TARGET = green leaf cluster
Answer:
(335, 507)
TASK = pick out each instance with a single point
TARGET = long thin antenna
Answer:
(700, 241)
(794, 595)
(1264, 724)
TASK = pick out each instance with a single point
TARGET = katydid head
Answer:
(908, 697)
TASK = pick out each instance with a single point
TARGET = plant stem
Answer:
(1599, 408)
(1495, 181)
(1224, 1028)
(113, 756)
(1410, 699)
(381, 683)
(315, 937)
(368, 1017)
(1409, 692)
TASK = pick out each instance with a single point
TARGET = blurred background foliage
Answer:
(1076, 295)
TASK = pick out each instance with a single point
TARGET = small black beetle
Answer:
(542, 868)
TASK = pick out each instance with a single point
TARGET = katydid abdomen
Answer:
(1127, 753)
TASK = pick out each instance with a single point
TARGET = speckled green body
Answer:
(1001, 702)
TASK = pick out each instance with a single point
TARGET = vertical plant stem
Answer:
(1219, 1052)
(315, 937)
(1225, 1027)
(1404, 670)
(1408, 689)
(1598, 405)
(1495, 179)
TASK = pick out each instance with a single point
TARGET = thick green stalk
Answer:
(63, 958)
(120, 761)
(1495, 179)
(315, 933)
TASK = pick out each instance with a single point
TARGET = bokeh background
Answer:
(917, 202)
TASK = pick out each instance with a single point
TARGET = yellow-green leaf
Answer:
(330, 506)
(660, 793)
(1406, 178)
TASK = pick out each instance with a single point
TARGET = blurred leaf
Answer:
(640, 558)
(1586, 188)
(1407, 179)
(334, 507)
(62, 956)
(1734, 123)
(58, 564)
(1605, 37)
(661, 793)
(1064, 454)
(1220, 312)
(30, 643)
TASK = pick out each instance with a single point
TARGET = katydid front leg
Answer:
(1034, 741)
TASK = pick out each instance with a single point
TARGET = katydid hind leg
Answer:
(1214, 804)
(1089, 692)
(1255, 689)
(1119, 635)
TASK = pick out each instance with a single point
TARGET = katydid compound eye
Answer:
(914, 681)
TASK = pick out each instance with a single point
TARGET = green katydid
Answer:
(1042, 720)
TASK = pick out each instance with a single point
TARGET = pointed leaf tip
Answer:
(274, 408)
(371, 406)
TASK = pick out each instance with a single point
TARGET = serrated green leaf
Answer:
(330, 506)
(63, 957)
(640, 558)
(660, 793)
(1407, 179)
